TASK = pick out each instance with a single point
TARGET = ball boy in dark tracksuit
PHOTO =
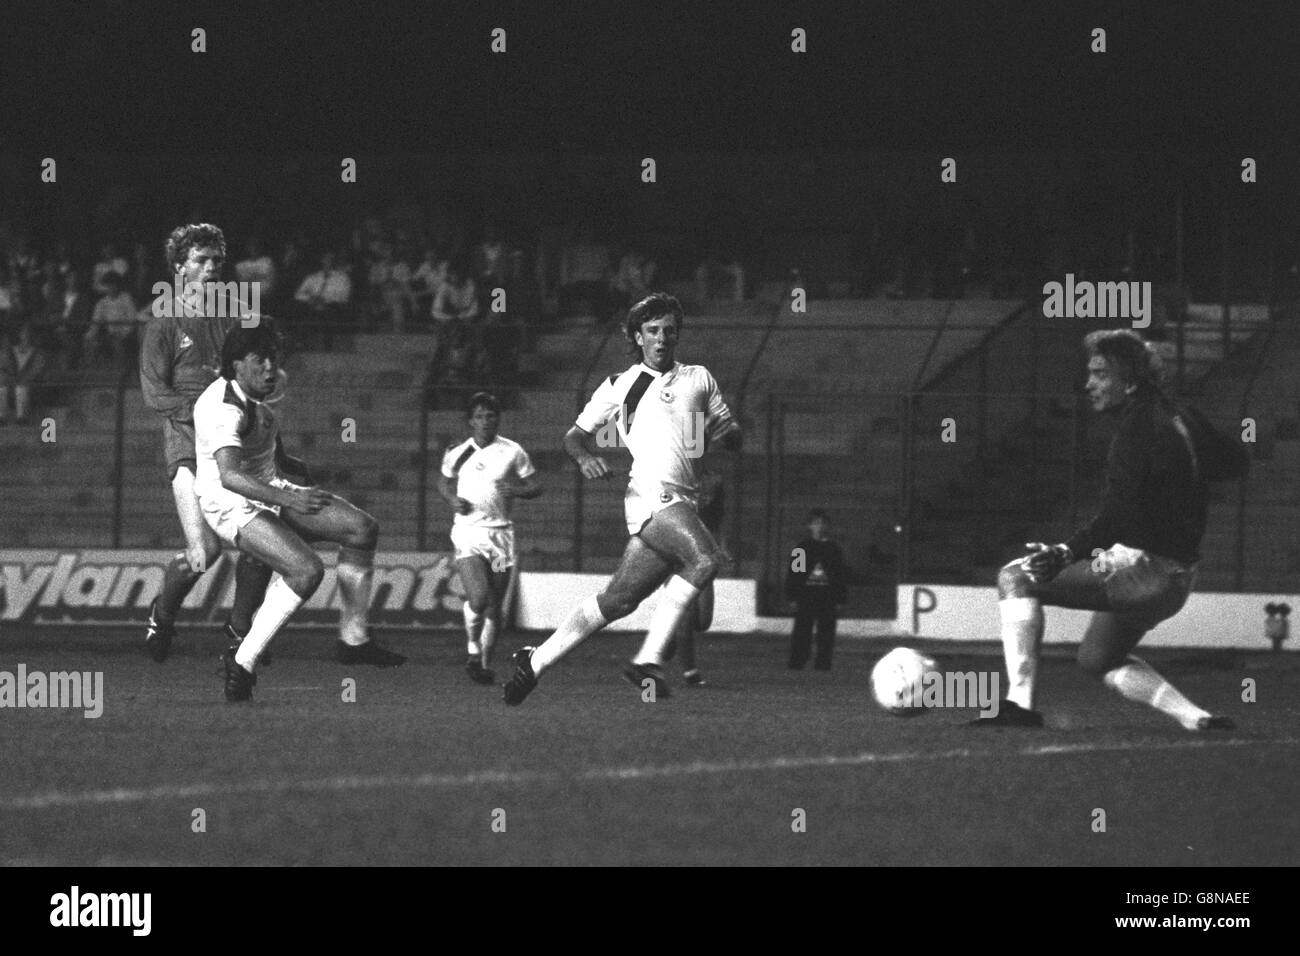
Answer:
(815, 583)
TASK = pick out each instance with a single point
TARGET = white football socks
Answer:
(277, 607)
(489, 639)
(583, 621)
(674, 601)
(1138, 681)
(356, 571)
(473, 625)
(1022, 632)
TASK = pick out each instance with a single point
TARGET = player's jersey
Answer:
(664, 419)
(180, 356)
(477, 471)
(225, 417)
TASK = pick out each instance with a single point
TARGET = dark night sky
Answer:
(878, 76)
(750, 138)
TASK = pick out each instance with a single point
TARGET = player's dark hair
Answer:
(818, 513)
(184, 238)
(482, 400)
(1136, 360)
(261, 340)
(654, 306)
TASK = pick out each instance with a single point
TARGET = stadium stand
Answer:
(820, 393)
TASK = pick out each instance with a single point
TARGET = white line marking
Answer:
(514, 777)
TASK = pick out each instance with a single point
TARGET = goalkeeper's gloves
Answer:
(1045, 561)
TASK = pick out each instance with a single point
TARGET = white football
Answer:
(896, 681)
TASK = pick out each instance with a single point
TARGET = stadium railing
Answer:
(907, 505)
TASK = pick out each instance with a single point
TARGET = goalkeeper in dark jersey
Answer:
(1135, 563)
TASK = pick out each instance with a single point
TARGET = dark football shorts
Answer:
(178, 446)
(1133, 590)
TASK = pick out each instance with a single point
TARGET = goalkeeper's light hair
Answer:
(1136, 360)
(184, 238)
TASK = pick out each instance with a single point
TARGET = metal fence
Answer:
(938, 487)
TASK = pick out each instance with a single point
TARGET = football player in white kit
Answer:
(251, 506)
(480, 477)
(666, 413)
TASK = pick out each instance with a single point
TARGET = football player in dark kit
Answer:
(1135, 563)
(815, 584)
(179, 357)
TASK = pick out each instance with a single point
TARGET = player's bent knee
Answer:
(702, 571)
(306, 576)
(1098, 661)
(366, 533)
(252, 561)
(614, 606)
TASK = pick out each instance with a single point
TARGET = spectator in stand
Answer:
(455, 365)
(25, 268)
(490, 262)
(457, 300)
(525, 302)
(390, 287)
(54, 272)
(113, 321)
(428, 280)
(462, 356)
(407, 245)
(584, 275)
(62, 258)
(325, 295)
(546, 267)
(720, 277)
(633, 281)
(68, 313)
(142, 271)
(109, 262)
(11, 300)
(290, 270)
(501, 339)
(368, 240)
(50, 290)
(22, 363)
(44, 306)
(257, 266)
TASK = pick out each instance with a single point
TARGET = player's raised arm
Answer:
(575, 446)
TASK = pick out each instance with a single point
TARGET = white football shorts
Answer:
(644, 498)
(494, 545)
(226, 512)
